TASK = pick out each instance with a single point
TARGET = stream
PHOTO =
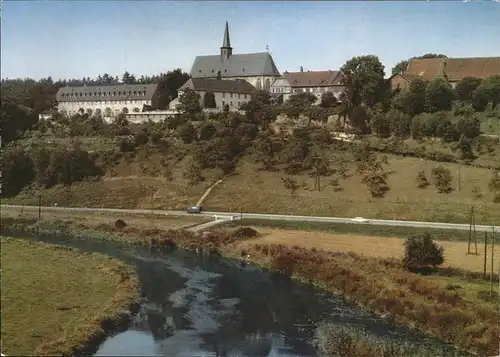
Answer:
(209, 306)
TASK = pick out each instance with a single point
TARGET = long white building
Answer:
(109, 101)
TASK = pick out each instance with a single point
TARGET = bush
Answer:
(421, 251)
(126, 145)
(442, 179)
(141, 138)
(187, 132)
(422, 181)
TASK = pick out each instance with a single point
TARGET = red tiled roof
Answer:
(459, 68)
(428, 68)
(455, 69)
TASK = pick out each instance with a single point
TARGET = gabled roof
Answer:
(239, 65)
(454, 69)
(218, 85)
(100, 93)
(459, 68)
(313, 78)
(428, 68)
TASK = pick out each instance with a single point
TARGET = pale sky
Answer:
(73, 39)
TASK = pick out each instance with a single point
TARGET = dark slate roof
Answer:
(218, 85)
(100, 93)
(313, 78)
(226, 42)
(239, 65)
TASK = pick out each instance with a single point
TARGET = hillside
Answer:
(150, 178)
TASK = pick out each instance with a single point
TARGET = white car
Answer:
(360, 220)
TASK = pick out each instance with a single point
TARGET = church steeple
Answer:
(226, 50)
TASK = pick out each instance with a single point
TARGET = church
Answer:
(258, 69)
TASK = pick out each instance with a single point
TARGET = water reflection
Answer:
(211, 307)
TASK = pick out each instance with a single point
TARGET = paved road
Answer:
(275, 217)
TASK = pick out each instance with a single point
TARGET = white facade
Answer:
(233, 100)
(107, 108)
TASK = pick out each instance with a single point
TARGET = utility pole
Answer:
(492, 252)
(485, 252)
(39, 207)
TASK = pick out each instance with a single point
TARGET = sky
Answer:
(75, 39)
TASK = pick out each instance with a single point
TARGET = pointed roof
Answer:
(239, 65)
(226, 43)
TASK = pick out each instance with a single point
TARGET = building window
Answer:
(245, 96)
(239, 104)
(231, 95)
(223, 103)
(239, 95)
(231, 103)
(114, 93)
(223, 94)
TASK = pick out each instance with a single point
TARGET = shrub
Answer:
(422, 181)
(377, 184)
(120, 224)
(442, 179)
(126, 145)
(421, 251)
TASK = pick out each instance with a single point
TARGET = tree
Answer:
(193, 174)
(168, 85)
(258, 109)
(464, 147)
(439, 95)
(189, 103)
(469, 127)
(17, 171)
(421, 251)
(377, 184)
(266, 149)
(328, 100)
(125, 110)
(487, 92)
(359, 120)
(209, 100)
(400, 67)
(128, 78)
(399, 122)
(466, 87)
(207, 131)
(422, 181)
(494, 186)
(187, 132)
(442, 179)
(290, 184)
(15, 120)
(379, 122)
(364, 80)
(298, 104)
(414, 99)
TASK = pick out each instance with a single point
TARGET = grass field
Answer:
(360, 229)
(371, 246)
(99, 218)
(259, 191)
(55, 299)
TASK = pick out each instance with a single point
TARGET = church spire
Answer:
(226, 50)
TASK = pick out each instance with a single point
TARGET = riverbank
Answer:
(448, 309)
(59, 301)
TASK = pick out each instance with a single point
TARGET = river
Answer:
(208, 306)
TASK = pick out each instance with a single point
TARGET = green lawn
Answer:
(54, 299)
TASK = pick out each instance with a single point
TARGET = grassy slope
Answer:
(260, 191)
(139, 183)
(54, 299)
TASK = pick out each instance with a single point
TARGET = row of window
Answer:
(231, 95)
(230, 104)
(111, 102)
(279, 90)
(141, 93)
